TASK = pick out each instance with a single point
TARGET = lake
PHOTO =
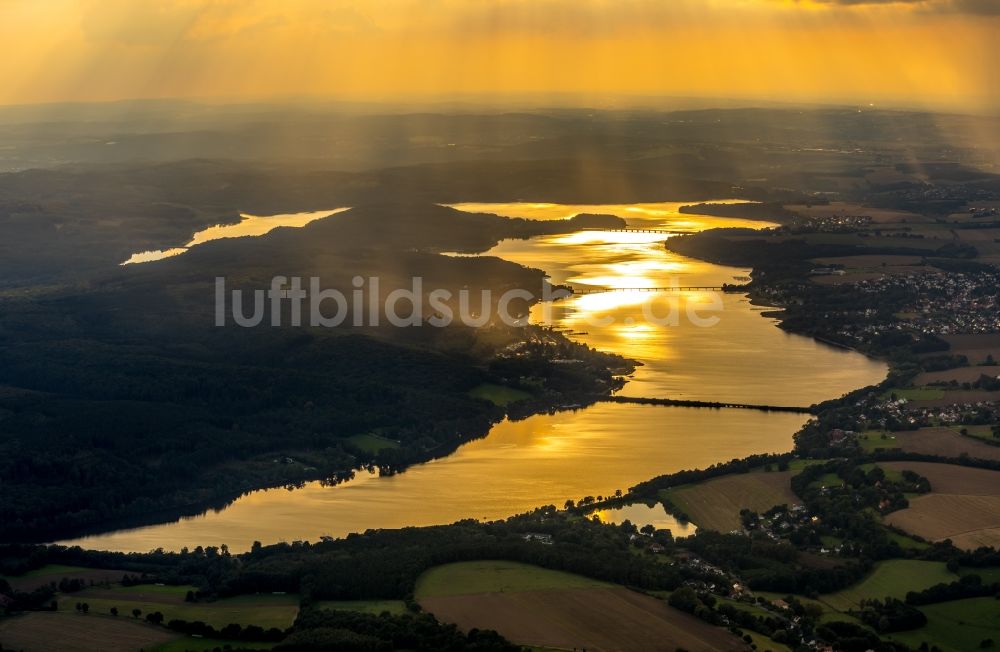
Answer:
(547, 459)
(249, 225)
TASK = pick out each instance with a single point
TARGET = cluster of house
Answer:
(884, 411)
(944, 303)
(779, 523)
(956, 414)
(827, 224)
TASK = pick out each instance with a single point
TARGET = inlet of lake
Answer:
(743, 357)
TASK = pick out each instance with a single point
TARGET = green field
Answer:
(764, 644)
(989, 575)
(470, 577)
(264, 610)
(55, 572)
(827, 480)
(801, 465)
(871, 440)
(893, 578)
(905, 542)
(956, 626)
(983, 433)
(372, 443)
(498, 394)
(364, 606)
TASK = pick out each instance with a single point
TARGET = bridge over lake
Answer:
(671, 402)
(635, 230)
(668, 288)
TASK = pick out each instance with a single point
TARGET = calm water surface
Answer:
(249, 225)
(640, 514)
(547, 459)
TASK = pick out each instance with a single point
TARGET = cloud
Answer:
(161, 22)
(970, 7)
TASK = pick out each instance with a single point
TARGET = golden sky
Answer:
(935, 53)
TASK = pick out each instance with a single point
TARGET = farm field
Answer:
(959, 375)
(946, 442)
(55, 572)
(716, 504)
(364, 606)
(264, 610)
(975, 347)
(893, 578)
(917, 393)
(953, 397)
(956, 626)
(536, 607)
(869, 267)
(44, 631)
(964, 505)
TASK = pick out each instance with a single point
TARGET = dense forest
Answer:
(122, 400)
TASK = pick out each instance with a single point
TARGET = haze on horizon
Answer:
(933, 54)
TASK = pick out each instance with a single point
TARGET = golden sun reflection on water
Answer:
(249, 225)
(548, 458)
(640, 514)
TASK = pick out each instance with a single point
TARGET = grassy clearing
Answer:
(894, 578)
(797, 466)
(498, 394)
(891, 474)
(827, 480)
(905, 542)
(466, 578)
(364, 606)
(263, 610)
(871, 440)
(984, 433)
(762, 643)
(372, 443)
(55, 572)
(956, 626)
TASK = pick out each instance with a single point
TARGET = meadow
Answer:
(466, 578)
(956, 626)
(894, 578)
(263, 610)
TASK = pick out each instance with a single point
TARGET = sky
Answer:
(939, 54)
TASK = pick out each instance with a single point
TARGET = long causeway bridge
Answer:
(668, 288)
(671, 402)
(633, 230)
